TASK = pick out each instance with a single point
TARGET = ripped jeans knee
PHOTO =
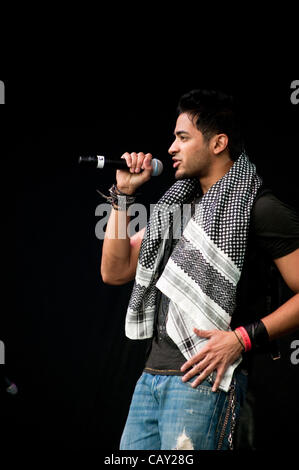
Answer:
(184, 442)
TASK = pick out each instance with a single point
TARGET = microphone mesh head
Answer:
(12, 389)
(157, 167)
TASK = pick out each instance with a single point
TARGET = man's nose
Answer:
(173, 149)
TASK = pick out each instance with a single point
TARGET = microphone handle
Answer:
(99, 161)
(117, 164)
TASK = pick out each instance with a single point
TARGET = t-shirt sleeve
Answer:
(276, 226)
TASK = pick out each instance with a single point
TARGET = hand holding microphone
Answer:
(128, 182)
(133, 169)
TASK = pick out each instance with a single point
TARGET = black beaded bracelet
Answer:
(118, 199)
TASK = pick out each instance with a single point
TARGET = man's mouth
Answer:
(176, 163)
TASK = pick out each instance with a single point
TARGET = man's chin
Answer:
(181, 175)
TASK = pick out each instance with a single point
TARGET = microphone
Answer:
(99, 161)
(11, 388)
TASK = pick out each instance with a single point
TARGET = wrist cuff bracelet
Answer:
(254, 335)
(258, 334)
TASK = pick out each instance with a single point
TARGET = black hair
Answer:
(215, 112)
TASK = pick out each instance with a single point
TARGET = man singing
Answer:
(199, 277)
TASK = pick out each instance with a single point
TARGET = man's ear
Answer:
(219, 143)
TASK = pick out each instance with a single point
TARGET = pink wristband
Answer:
(245, 337)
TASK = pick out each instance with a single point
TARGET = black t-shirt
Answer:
(273, 233)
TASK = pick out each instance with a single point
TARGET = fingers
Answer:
(147, 162)
(203, 363)
(197, 368)
(138, 161)
(127, 156)
(205, 373)
(194, 360)
(203, 333)
(215, 356)
(199, 356)
(219, 377)
(204, 370)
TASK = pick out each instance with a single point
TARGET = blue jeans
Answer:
(166, 414)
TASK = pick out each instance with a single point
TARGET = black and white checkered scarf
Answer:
(203, 271)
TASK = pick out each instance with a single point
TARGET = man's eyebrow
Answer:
(181, 132)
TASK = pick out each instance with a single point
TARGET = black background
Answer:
(62, 327)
